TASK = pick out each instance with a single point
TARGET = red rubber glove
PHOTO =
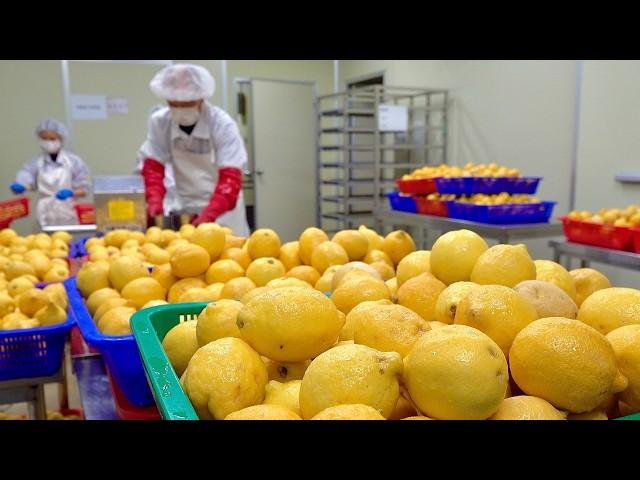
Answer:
(153, 174)
(224, 197)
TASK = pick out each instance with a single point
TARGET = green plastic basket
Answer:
(149, 326)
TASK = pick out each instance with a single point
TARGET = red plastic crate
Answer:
(436, 208)
(600, 235)
(12, 209)
(86, 213)
(636, 239)
(127, 411)
(421, 186)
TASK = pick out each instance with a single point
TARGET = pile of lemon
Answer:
(620, 217)
(361, 326)
(468, 170)
(498, 199)
(24, 262)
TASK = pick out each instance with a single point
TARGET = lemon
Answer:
(375, 241)
(14, 321)
(290, 255)
(626, 345)
(392, 285)
(287, 282)
(56, 274)
(351, 374)
(355, 289)
(7, 235)
(181, 286)
(218, 320)
(403, 409)
(231, 241)
(222, 271)
(197, 295)
(343, 270)
(254, 292)
(17, 268)
(420, 294)
(449, 299)
(454, 255)
(285, 394)
(142, 290)
(388, 328)
(186, 231)
(565, 362)
(264, 412)
(498, 311)
(130, 244)
(7, 305)
(116, 321)
(525, 407)
(264, 269)
(356, 313)
(587, 281)
(308, 241)
(125, 269)
(180, 344)
(305, 273)
(349, 412)
(167, 236)
(377, 256)
(413, 265)
(236, 288)
(554, 273)
(216, 289)
(153, 303)
(456, 373)
(354, 243)
(238, 255)
(110, 304)
(210, 237)
(32, 300)
(50, 314)
(548, 299)
(385, 270)
(398, 244)
(328, 254)
(189, 261)
(611, 308)
(153, 235)
(285, 371)
(19, 285)
(417, 417)
(290, 324)
(505, 265)
(593, 415)
(98, 254)
(116, 237)
(157, 256)
(224, 376)
(164, 275)
(264, 242)
(39, 262)
(326, 280)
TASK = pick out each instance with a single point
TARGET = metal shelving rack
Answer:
(357, 162)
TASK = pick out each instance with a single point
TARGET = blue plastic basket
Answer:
(80, 245)
(487, 185)
(402, 203)
(33, 352)
(507, 214)
(120, 354)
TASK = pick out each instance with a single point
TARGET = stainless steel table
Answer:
(588, 253)
(502, 233)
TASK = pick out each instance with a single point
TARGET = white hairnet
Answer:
(53, 125)
(183, 82)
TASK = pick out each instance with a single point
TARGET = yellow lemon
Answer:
(374, 240)
(285, 371)
(505, 265)
(398, 244)
(449, 299)
(290, 255)
(216, 289)
(420, 294)
(554, 273)
(224, 376)
(308, 241)
(223, 270)
(328, 254)
(498, 311)
(142, 290)
(180, 344)
(287, 282)
(56, 274)
(7, 305)
(548, 299)
(125, 269)
(264, 242)
(19, 285)
(385, 270)
(377, 256)
(356, 289)
(116, 321)
(177, 289)
(587, 281)
(236, 288)
(611, 308)
(231, 241)
(305, 273)
(164, 275)
(154, 303)
(254, 292)
(50, 314)
(92, 277)
(18, 268)
(348, 330)
(354, 243)
(290, 324)
(565, 362)
(264, 412)
(413, 265)
(186, 231)
(218, 320)
(264, 269)
(238, 255)
(197, 295)
(343, 270)
(349, 412)
(403, 409)
(7, 235)
(189, 261)
(456, 373)
(157, 256)
(351, 374)
(116, 238)
(210, 237)
(13, 321)
(626, 345)
(417, 417)
(110, 304)
(57, 294)
(525, 407)
(32, 300)
(286, 394)
(593, 415)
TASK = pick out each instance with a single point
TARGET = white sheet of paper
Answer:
(393, 118)
(89, 107)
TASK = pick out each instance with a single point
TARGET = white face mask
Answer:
(185, 116)
(50, 146)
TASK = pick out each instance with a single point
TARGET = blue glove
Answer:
(17, 187)
(64, 193)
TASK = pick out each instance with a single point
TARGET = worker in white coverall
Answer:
(201, 144)
(59, 176)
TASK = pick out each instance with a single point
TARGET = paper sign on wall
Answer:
(117, 105)
(393, 118)
(88, 107)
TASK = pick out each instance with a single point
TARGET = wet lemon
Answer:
(554, 273)
(398, 244)
(377, 256)
(210, 237)
(454, 255)
(524, 407)
(264, 269)
(349, 412)
(92, 277)
(308, 241)
(505, 265)
(374, 240)
(285, 371)
(125, 269)
(328, 254)
(587, 281)
(354, 243)
(189, 261)
(355, 289)
(420, 294)
(180, 344)
(164, 275)
(142, 290)
(264, 412)
(449, 299)
(181, 286)
(285, 394)
(238, 255)
(548, 299)
(413, 265)
(305, 273)
(290, 255)
(218, 320)
(222, 271)
(626, 345)
(264, 242)
(611, 308)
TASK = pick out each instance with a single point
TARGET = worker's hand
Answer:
(204, 217)
(17, 188)
(64, 193)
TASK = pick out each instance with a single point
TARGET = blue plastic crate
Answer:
(507, 214)
(120, 353)
(80, 245)
(487, 185)
(33, 352)
(402, 203)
